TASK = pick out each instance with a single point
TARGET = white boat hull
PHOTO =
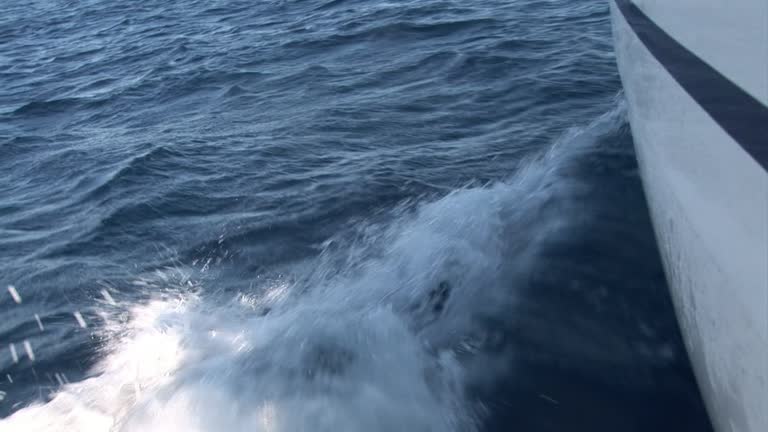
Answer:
(707, 186)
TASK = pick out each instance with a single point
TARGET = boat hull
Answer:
(705, 178)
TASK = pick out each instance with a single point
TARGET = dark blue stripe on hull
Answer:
(742, 116)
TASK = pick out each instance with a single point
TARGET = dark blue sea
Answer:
(326, 215)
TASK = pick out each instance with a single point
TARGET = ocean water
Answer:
(344, 215)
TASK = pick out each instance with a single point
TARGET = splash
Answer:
(386, 332)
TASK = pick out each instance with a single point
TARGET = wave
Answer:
(386, 330)
(40, 108)
(396, 31)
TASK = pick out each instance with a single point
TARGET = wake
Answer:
(385, 332)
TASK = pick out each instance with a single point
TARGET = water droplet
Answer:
(108, 297)
(14, 293)
(39, 322)
(28, 349)
(80, 320)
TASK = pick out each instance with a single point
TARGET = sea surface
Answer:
(344, 215)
